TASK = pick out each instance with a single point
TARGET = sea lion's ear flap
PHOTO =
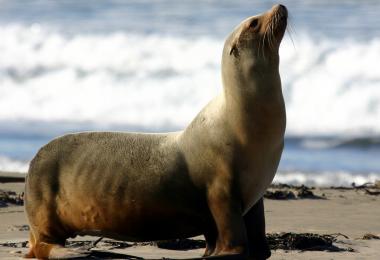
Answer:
(234, 50)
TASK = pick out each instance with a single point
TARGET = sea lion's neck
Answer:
(256, 84)
(255, 103)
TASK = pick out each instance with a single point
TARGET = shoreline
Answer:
(280, 179)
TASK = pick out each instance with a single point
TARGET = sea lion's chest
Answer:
(259, 167)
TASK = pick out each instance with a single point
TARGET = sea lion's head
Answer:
(253, 45)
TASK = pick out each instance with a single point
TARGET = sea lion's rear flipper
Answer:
(68, 253)
(44, 250)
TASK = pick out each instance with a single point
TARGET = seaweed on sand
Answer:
(304, 241)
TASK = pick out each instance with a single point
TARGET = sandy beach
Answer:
(341, 223)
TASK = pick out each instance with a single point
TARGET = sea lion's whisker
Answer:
(272, 26)
(270, 37)
(260, 48)
(264, 42)
(290, 30)
(272, 32)
(291, 38)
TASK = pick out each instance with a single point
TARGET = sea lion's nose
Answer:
(281, 9)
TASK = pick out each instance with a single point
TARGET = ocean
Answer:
(68, 66)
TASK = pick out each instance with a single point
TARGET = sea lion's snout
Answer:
(281, 10)
(278, 15)
(277, 21)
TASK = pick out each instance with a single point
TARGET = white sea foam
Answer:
(153, 81)
(332, 87)
(11, 165)
(325, 179)
(118, 78)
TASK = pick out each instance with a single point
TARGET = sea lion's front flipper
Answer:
(255, 225)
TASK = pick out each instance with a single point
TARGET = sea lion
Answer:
(208, 179)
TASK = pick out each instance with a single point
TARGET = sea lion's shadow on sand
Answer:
(97, 254)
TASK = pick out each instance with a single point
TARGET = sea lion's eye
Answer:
(254, 23)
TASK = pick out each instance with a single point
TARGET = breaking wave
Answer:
(331, 87)
(11, 165)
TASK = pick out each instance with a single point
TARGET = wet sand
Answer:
(345, 214)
